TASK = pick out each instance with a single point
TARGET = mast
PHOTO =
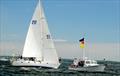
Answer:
(83, 53)
(41, 26)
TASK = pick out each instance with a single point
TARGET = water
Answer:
(112, 69)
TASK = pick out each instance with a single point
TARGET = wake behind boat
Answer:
(39, 49)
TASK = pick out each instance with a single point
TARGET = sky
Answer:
(98, 21)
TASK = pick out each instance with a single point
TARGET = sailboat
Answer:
(85, 64)
(39, 49)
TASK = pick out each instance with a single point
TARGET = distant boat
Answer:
(39, 49)
(85, 64)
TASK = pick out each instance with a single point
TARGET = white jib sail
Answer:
(39, 42)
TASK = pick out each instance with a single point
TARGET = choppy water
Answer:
(112, 69)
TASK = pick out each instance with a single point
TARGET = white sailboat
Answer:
(85, 64)
(39, 49)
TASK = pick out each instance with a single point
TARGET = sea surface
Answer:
(112, 69)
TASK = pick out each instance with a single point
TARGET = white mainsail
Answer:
(39, 43)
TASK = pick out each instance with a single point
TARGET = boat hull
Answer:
(4, 59)
(89, 68)
(27, 63)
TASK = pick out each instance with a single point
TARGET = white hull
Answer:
(4, 59)
(89, 68)
(27, 63)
